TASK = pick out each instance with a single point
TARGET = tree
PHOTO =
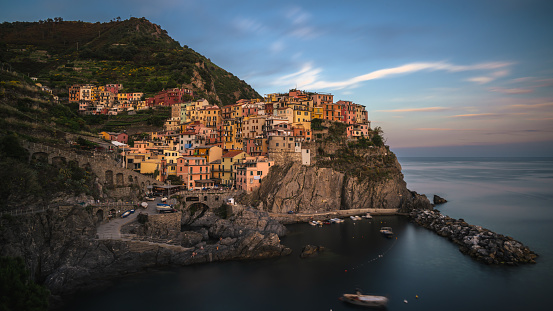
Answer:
(377, 138)
(17, 290)
(10, 147)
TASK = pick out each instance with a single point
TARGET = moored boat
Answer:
(368, 216)
(387, 231)
(162, 207)
(365, 300)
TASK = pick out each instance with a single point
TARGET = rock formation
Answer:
(311, 251)
(480, 243)
(372, 179)
(438, 200)
(61, 250)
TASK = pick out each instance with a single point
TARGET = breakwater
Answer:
(480, 243)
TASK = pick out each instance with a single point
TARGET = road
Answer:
(112, 228)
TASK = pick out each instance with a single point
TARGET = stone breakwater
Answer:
(479, 243)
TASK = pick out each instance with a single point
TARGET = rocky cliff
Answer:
(61, 251)
(346, 179)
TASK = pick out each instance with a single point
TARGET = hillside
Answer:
(134, 52)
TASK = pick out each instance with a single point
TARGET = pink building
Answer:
(113, 88)
(194, 172)
(169, 97)
(120, 137)
(251, 171)
(348, 111)
(358, 130)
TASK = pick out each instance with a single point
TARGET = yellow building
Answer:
(104, 135)
(286, 112)
(317, 113)
(210, 116)
(228, 161)
(210, 153)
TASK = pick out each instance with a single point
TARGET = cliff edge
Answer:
(347, 178)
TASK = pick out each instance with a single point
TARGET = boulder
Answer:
(439, 200)
(311, 251)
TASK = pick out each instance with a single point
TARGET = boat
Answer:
(164, 199)
(368, 216)
(144, 204)
(355, 217)
(316, 223)
(127, 213)
(365, 300)
(387, 231)
(163, 208)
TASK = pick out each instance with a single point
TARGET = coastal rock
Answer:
(190, 238)
(311, 251)
(479, 243)
(310, 189)
(246, 221)
(439, 200)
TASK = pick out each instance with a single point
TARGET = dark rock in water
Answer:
(439, 200)
(311, 251)
(479, 243)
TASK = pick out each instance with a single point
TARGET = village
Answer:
(204, 146)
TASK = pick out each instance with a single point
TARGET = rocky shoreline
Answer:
(479, 243)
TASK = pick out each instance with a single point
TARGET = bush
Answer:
(19, 292)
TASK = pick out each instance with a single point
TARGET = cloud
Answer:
(305, 76)
(314, 83)
(426, 109)
(511, 91)
(249, 25)
(477, 115)
(487, 79)
(532, 106)
(487, 115)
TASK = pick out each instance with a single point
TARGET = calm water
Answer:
(510, 196)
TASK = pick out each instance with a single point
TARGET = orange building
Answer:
(251, 171)
(194, 172)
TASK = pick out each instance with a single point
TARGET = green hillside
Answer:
(136, 53)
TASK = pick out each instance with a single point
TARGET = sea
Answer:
(416, 269)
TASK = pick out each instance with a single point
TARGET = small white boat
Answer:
(164, 199)
(164, 208)
(387, 231)
(316, 223)
(144, 204)
(355, 217)
(368, 216)
(365, 300)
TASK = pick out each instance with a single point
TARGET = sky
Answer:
(441, 78)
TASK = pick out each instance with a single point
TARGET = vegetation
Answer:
(134, 52)
(17, 290)
(377, 138)
(22, 182)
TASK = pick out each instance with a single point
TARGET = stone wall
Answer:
(109, 172)
(284, 158)
(162, 226)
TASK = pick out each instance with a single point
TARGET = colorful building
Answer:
(251, 171)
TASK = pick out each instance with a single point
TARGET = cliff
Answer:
(345, 179)
(61, 251)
